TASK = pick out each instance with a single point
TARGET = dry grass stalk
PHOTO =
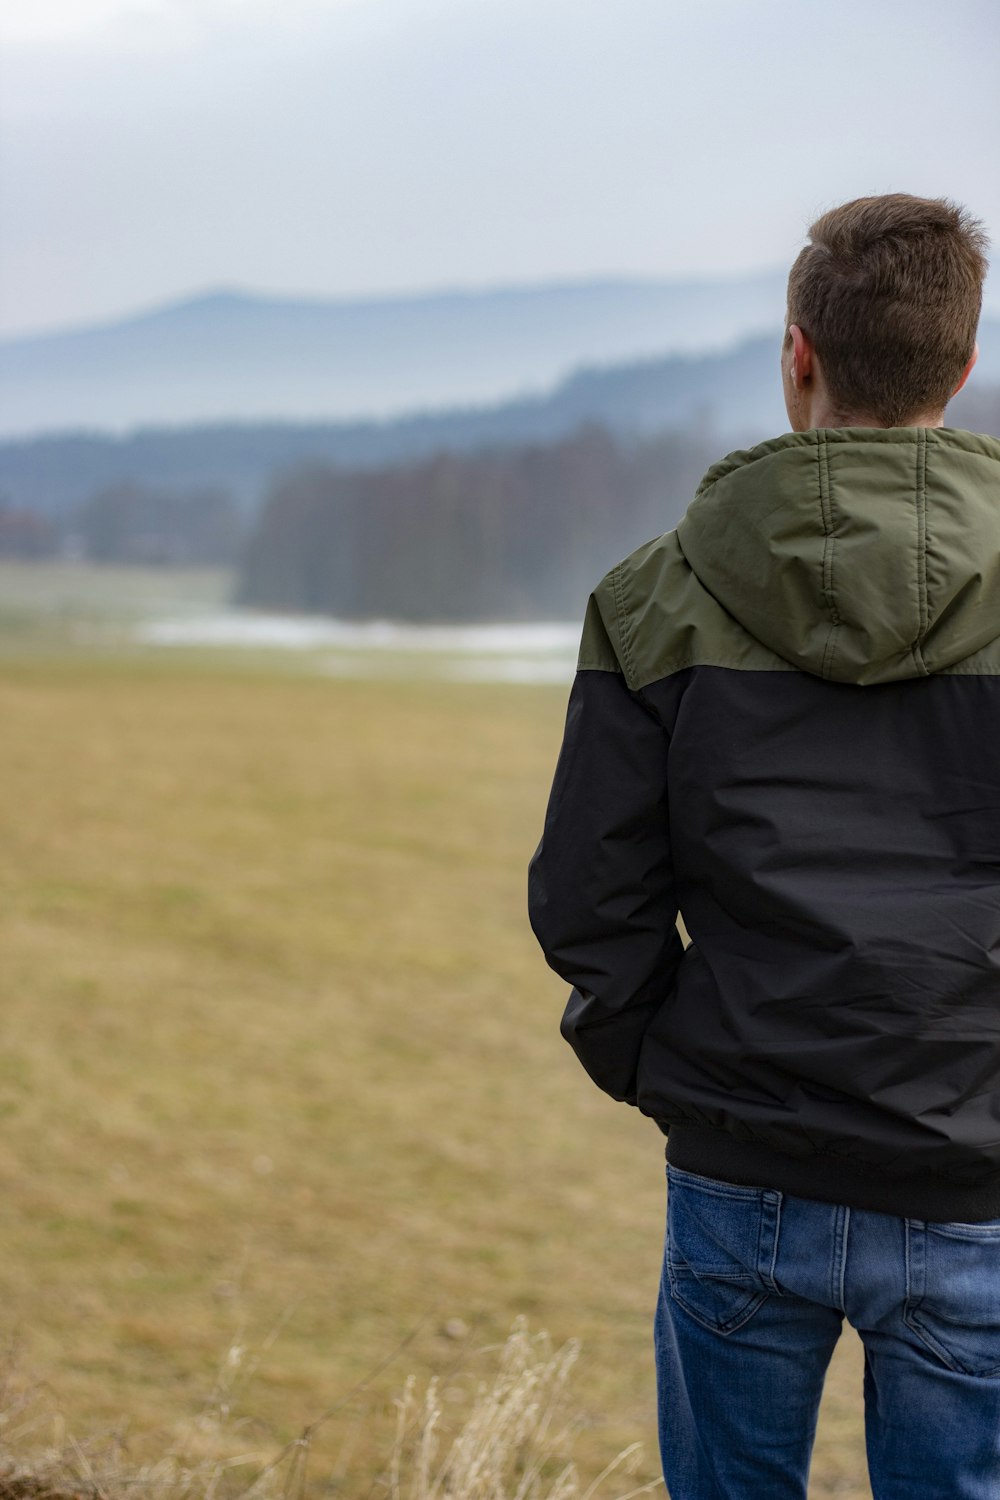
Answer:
(515, 1441)
(102, 1468)
(513, 1444)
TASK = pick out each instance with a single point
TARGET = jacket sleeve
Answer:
(601, 897)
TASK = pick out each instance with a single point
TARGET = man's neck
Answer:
(833, 419)
(822, 412)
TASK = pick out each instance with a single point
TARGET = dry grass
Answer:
(512, 1440)
(277, 1038)
(514, 1444)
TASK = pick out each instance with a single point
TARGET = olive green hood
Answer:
(859, 554)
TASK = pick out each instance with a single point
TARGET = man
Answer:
(785, 723)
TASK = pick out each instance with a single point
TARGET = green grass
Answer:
(280, 1053)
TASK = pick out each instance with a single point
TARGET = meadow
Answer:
(282, 1091)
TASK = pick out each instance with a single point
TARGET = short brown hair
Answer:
(889, 291)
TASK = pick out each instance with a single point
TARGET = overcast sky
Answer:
(154, 148)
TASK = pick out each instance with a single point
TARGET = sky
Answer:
(153, 149)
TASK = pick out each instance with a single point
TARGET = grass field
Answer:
(281, 1060)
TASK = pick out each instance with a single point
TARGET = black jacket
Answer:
(785, 724)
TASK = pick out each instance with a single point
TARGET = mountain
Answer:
(734, 395)
(229, 356)
(730, 399)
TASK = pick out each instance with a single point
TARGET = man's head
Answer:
(883, 306)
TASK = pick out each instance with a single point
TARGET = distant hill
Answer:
(229, 356)
(734, 395)
(727, 399)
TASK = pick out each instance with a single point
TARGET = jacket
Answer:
(785, 725)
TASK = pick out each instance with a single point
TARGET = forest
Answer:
(505, 530)
(506, 534)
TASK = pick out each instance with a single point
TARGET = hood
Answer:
(859, 554)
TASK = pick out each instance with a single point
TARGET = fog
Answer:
(152, 150)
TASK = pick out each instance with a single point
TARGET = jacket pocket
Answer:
(953, 1292)
(721, 1247)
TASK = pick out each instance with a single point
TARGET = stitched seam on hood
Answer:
(923, 612)
(826, 521)
(621, 620)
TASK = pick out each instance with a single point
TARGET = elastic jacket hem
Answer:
(832, 1179)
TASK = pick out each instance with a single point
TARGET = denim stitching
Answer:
(775, 1204)
(836, 1258)
(843, 1255)
(915, 1235)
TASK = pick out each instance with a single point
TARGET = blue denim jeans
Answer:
(756, 1284)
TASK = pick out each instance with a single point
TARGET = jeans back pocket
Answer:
(953, 1292)
(721, 1246)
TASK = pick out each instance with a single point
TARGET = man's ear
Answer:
(968, 369)
(802, 356)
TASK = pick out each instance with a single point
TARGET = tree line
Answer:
(503, 532)
(519, 533)
(131, 522)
